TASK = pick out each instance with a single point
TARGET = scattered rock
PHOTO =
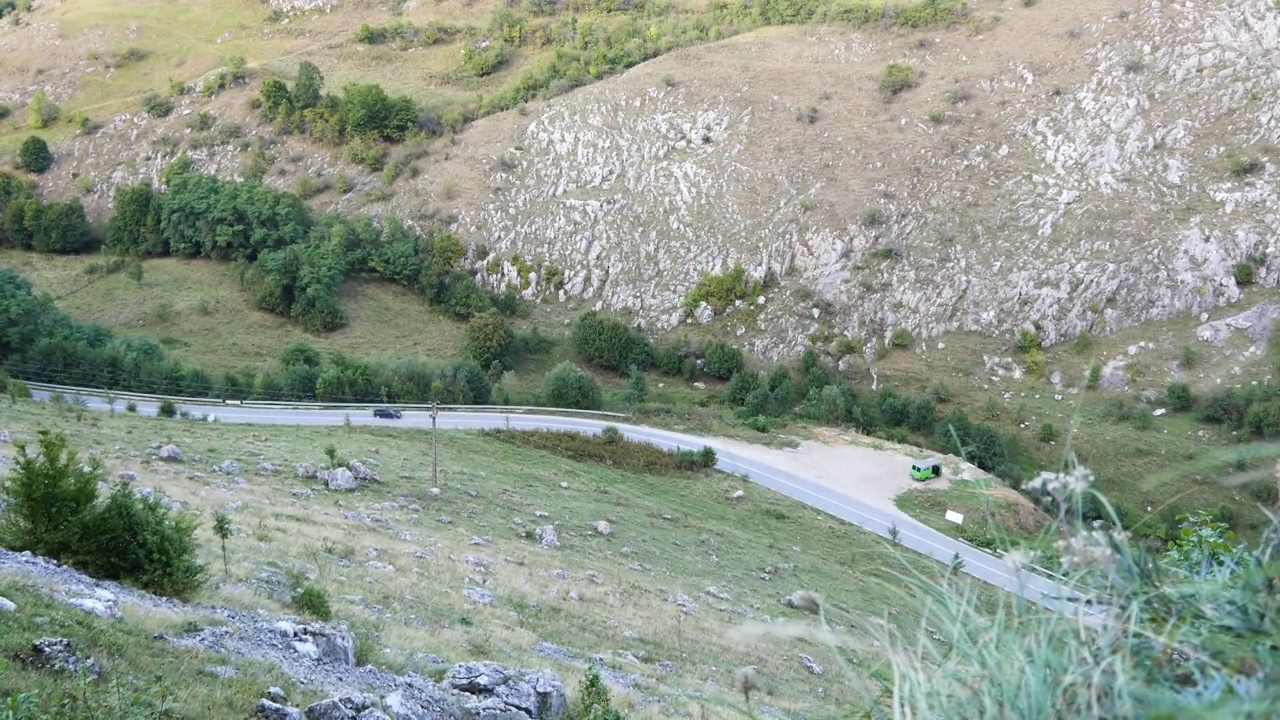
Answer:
(537, 694)
(444, 520)
(7, 605)
(306, 470)
(330, 709)
(4, 436)
(127, 476)
(666, 666)
(380, 567)
(434, 492)
(564, 486)
(57, 654)
(602, 527)
(716, 593)
(361, 472)
(227, 467)
(736, 495)
(276, 694)
(548, 537)
(266, 468)
(94, 607)
(810, 665)
(479, 595)
(275, 711)
(481, 541)
(170, 452)
(339, 479)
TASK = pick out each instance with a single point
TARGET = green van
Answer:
(926, 469)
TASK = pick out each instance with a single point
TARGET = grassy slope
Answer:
(670, 536)
(133, 664)
(1176, 462)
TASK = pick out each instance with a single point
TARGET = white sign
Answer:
(955, 517)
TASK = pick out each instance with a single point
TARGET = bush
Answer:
(610, 344)
(311, 600)
(42, 111)
(900, 337)
(1094, 377)
(720, 291)
(568, 386)
(167, 409)
(34, 155)
(489, 340)
(1028, 340)
(1178, 396)
(131, 407)
(1048, 433)
(1263, 419)
(896, 78)
(721, 360)
(669, 358)
(138, 540)
(157, 106)
(48, 495)
(1244, 273)
(593, 701)
(54, 511)
(922, 415)
(1036, 363)
(1225, 408)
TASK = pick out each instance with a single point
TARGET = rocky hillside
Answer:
(1081, 166)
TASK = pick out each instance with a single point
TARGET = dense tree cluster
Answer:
(38, 342)
(296, 262)
(27, 223)
(361, 112)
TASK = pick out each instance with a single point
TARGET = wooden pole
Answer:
(435, 477)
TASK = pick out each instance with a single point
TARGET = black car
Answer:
(386, 413)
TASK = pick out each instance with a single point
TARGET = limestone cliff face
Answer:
(1081, 179)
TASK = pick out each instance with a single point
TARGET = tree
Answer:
(134, 228)
(34, 155)
(222, 528)
(277, 102)
(489, 340)
(300, 353)
(568, 386)
(307, 88)
(637, 387)
(135, 272)
(49, 496)
(61, 227)
(721, 360)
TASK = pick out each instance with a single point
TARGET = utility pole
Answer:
(435, 479)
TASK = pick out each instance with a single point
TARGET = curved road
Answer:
(918, 537)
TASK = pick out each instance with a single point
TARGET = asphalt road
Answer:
(977, 563)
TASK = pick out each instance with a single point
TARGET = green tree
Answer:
(610, 344)
(222, 528)
(134, 227)
(60, 227)
(49, 496)
(277, 102)
(1179, 397)
(138, 540)
(42, 112)
(568, 386)
(300, 353)
(489, 340)
(308, 86)
(637, 387)
(722, 360)
(34, 155)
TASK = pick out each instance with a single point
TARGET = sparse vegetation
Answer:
(897, 78)
(722, 290)
(1242, 166)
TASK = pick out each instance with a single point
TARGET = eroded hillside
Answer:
(1082, 166)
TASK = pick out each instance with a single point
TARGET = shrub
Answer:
(167, 409)
(1048, 433)
(156, 105)
(1036, 363)
(1028, 341)
(1244, 273)
(1240, 166)
(131, 407)
(900, 337)
(311, 600)
(1094, 377)
(669, 358)
(481, 60)
(592, 702)
(740, 386)
(48, 495)
(568, 386)
(1189, 357)
(42, 112)
(34, 155)
(720, 291)
(609, 344)
(1263, 419)
(637, 388)
(611, 435)
(871, 217)
(489, 340)
(138, 540)
(922, 415)
(1225, 408)
(1178, 395)
(896, 78)
(722, 360)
